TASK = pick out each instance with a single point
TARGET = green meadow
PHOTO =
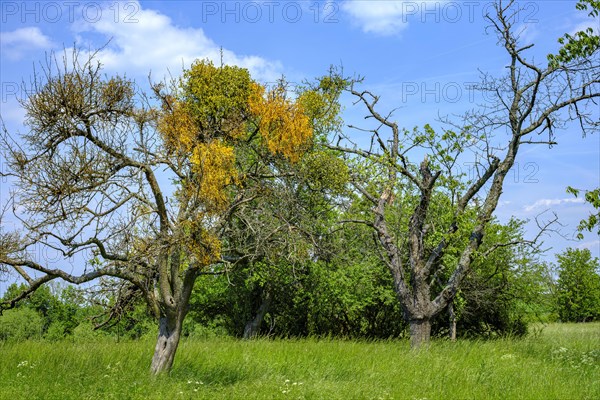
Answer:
(558, 361)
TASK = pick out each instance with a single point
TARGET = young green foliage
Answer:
(578, 287)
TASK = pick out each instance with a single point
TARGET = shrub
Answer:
(20, 324)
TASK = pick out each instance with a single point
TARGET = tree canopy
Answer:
(146, 183)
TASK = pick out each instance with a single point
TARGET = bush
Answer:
(20, 324)
(578, 288)
(84, 332)
(56, 331)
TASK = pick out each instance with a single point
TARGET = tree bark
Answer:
(452, 320)
(253, 326)
(169, 333)
(420, 332)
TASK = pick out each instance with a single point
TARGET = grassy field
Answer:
(562, 362)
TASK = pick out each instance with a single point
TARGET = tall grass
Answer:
(561, 362)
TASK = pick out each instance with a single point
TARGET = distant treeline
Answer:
(353, 300)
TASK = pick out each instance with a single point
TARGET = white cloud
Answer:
(546, 203)
(503, 203)
(154, 43)
(528, 33)
(584, 25)
(16, 43)
(388, 17)
(592, 245)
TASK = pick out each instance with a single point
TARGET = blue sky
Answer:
(419, 56)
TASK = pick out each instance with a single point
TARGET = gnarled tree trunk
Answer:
(169, 333)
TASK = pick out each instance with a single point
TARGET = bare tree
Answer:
(528, 103)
